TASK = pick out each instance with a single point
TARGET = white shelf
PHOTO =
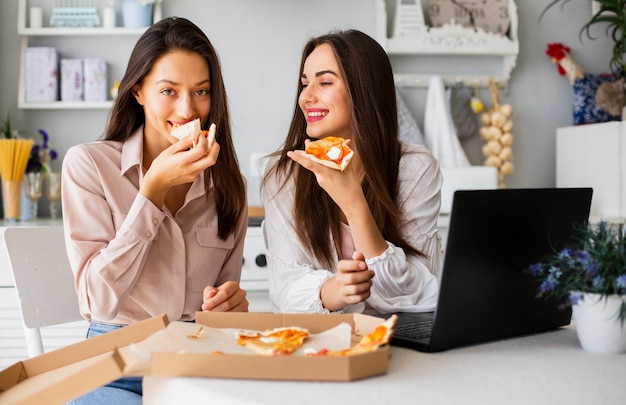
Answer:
(66, 105)
(452, 39)
(456, 40)
(52, 31)
(27, 33)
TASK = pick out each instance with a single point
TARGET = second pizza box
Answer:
(64, 374)
(284, 367)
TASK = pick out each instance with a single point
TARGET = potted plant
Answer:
(612, 13)
(590, 275)
(5, 126)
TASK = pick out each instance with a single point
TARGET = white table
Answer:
(548, 368)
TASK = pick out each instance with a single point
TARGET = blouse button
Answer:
(148, 234)
(155, 221)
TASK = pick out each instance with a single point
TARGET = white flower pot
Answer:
(598, 325)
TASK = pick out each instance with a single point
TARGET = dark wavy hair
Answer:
(368, 75)
(127, 114)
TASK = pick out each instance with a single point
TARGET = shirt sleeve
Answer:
(106, 262)
(401, 282)
(408, 283)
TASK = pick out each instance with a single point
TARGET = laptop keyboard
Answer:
(414, 330)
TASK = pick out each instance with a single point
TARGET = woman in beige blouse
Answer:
(153, 225)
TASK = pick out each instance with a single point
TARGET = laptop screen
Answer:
(494, 235)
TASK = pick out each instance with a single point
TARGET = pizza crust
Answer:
(193, 130)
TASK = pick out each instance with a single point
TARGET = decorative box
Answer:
(40, 74)
(72, 80)
(95, 73)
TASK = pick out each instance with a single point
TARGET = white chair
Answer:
(43, 280)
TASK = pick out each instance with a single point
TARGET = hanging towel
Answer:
(439, 131)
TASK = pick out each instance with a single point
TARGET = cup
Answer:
(36, 17)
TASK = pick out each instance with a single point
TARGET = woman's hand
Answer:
(228, 297)
(176, 165)
(343, 187)
(351, 285)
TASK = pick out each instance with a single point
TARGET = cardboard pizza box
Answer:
(287, 367)
(63, 374)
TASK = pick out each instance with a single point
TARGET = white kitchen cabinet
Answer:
(594, 155)
(74, 43)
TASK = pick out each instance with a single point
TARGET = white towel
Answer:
(439, 131)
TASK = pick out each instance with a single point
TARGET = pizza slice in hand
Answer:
(193, 130)
(274, 342)
(331, 151)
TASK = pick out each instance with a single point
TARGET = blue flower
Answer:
(620, 282)
(591, 268)
(549, 284)
(597, 282)
(555, 272)
(536, 269)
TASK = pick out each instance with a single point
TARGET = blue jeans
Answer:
(127, 390)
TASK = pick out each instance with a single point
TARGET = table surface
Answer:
(547, 368)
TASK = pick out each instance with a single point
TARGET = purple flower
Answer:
(45, 137)
(41, 155)
(548, 284)
(575, 297)
(536, 269)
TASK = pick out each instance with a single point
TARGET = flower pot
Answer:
(136, 15)
(598, 325)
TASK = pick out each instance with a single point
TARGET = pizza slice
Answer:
(193, 130)
(370, 342)
(331, 151)
(274, 342)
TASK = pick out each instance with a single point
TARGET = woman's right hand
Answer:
(178, 164)
(351, 285)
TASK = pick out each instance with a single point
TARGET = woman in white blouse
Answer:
(367, 236)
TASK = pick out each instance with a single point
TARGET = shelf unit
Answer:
(456, 40)
(26, 34)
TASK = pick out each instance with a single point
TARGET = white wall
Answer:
(260, 41)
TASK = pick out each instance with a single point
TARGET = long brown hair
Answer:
(374, 122)
(127, 114)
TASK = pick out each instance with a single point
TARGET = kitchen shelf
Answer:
(27, 33)
(455, 40)
(68, 105)
(52, 31)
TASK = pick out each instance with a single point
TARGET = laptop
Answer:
(486, 293)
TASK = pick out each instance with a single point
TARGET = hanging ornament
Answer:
(496, 132)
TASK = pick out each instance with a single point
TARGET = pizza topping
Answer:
(331, 151)
(197, 334)
(274, 342)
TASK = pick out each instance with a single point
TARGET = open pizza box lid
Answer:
(285, 367)
(64, 374)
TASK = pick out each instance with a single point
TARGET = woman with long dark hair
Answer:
(153, 224)
(368, 235)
